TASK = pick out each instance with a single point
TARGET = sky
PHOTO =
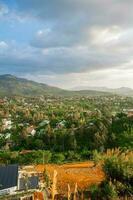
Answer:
(68, 43)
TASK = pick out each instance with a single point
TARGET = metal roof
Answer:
(8, 176)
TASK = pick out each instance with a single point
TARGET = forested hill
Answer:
(11, 85)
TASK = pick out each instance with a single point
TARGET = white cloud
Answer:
(113, 78)
(3, 10)
(3, 45)
(105, 35)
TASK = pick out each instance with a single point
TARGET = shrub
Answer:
(58, 158)
(73, 156)
(105, 191)
(118, 168)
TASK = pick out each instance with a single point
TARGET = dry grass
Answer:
(83, 174)
(54, 190)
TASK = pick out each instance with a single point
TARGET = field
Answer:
(83, 174)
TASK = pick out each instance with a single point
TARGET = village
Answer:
(29, 116)
(48, 144)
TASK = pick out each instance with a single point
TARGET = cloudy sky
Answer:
(68, 43)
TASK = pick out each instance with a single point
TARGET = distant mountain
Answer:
(11, 85)
(118, 91)
(123, 91)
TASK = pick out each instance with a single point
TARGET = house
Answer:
(8, 179)
(8, 144)
(30, 130)
(13, 180)
(7, 124)
(44, 122)
(130, 113)
(2, 101)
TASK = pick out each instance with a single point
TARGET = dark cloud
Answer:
(57, 60)
(103, 12)
(69, 22)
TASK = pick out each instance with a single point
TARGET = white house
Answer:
(7, 124)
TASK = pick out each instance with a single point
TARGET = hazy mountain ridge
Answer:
(118, 91)
(11, 85)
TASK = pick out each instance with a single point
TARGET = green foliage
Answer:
(46, 179)
(47, 155)
(5, 157)
(33, 157)
(105, 191)
(73, 156)
(58, 158)
(121, 132)
(118, 168)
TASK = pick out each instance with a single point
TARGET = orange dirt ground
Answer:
(84, 174)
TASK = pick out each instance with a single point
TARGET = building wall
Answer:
(8, 191)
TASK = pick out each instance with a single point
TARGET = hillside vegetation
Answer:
(13, 86)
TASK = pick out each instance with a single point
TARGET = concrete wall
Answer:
(8, 191)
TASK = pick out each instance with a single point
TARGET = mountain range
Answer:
(11, 85)
(124, 91)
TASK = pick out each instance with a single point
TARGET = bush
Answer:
(47, 155)
(58, 158)
(86, 154)
(35, 157)
(105, 191)
(118, 168)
